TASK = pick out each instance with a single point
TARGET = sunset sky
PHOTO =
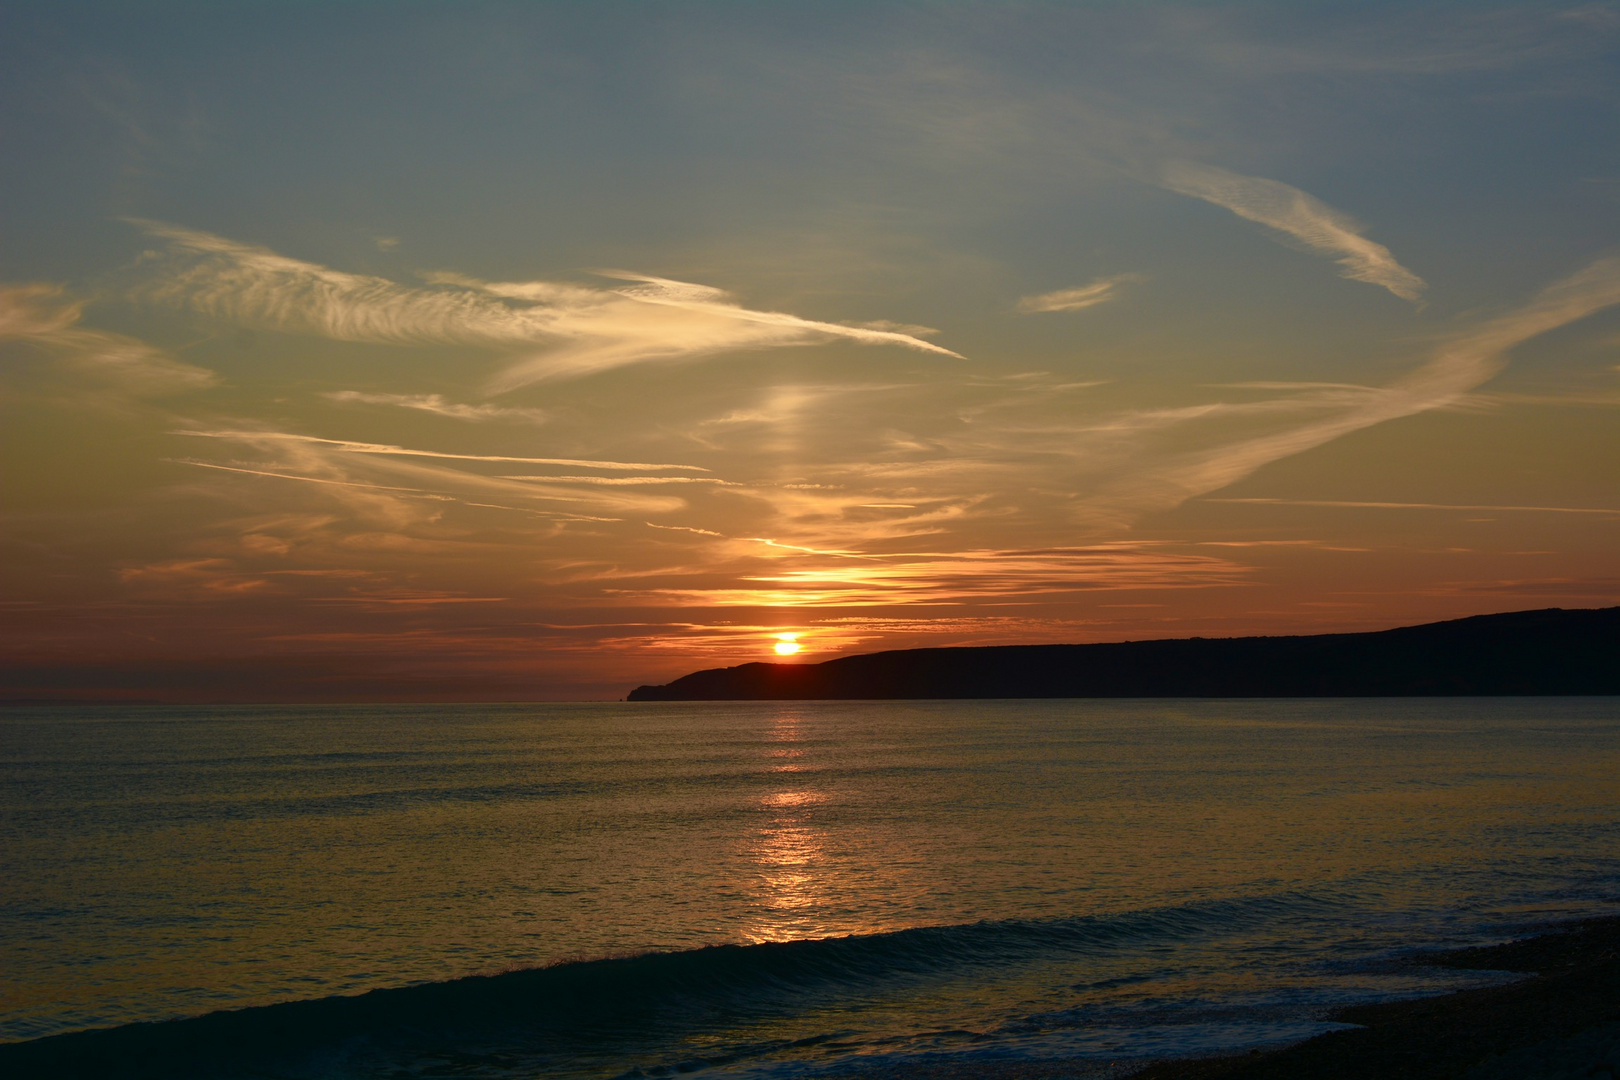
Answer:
(533, 351)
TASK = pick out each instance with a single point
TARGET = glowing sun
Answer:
(787, 644)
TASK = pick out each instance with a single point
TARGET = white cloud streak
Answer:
(1291, 211)
(1457, 367)
(332, 463)
(36, 314)
(1100, 291)
(1354, 505)
(1003, 576)
(351, 447)
(582, 330)
(969, 466)
(436, 404)
(627, 481)
(416, 492)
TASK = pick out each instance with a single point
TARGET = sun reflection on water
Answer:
(789, 849)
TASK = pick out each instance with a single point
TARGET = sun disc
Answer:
(786, 648)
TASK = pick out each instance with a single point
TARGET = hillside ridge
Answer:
(1545, 651)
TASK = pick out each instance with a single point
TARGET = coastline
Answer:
(1551, 652)
(1560, 1023)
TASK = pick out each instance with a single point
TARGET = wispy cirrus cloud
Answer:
(1308, 220)
(1471, 507)
(438, 405)
(1456, 368)
(1100, 291)
(580, 330)
(352, 447)
(1003, 576)
(39, 315)
(626, 481)
(391, 483)
(973, 458)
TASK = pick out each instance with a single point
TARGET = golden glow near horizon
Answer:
(786, 644)
(968, 326)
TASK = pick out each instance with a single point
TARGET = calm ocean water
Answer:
(771, 889)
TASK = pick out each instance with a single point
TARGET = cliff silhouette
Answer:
(1550, 651)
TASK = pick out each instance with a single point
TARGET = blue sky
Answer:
(537, 350)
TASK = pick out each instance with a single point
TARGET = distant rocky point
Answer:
(1552, 651)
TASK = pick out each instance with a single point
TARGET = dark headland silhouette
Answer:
(1552, 651)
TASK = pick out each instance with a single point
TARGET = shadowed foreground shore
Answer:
(1561, 1024)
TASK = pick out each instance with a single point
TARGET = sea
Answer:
(768, 889)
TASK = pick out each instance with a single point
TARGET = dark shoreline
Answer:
(1561, 1023)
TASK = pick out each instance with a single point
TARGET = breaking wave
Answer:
(581, 1016)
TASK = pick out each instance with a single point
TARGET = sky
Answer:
(534, 351)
